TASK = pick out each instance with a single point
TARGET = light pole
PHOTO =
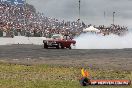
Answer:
(79, 10)
(113, 18)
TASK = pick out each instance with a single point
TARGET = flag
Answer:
(14, 2)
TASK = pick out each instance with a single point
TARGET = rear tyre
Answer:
(70, 47)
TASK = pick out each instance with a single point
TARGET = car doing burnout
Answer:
(58, 41)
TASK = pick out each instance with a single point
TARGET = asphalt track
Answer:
(35, 54)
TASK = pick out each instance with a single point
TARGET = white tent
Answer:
(91, 29)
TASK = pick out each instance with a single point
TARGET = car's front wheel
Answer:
(45, 46)
(59, 46)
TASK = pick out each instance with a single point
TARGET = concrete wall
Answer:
(22, 40)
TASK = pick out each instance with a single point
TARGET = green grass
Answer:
(47, 76)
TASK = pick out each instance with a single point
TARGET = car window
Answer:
(56, 36)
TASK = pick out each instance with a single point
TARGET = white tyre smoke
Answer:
(97, 41)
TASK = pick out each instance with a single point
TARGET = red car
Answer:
(58, 41)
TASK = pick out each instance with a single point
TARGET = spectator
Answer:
(24, 21)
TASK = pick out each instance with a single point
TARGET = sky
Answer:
(92, 11)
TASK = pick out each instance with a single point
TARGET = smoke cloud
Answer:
(94, 41)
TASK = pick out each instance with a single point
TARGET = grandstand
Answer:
(19, 19)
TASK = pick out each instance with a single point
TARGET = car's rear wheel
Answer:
(70, 47)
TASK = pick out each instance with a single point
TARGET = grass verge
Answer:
(48, 76)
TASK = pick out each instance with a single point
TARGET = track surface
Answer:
(33, 54)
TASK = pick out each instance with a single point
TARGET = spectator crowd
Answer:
(25, 21)
(113, 29)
